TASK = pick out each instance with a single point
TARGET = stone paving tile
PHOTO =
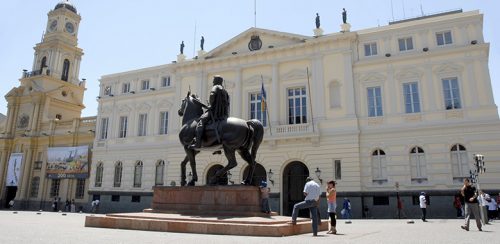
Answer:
(48, 227)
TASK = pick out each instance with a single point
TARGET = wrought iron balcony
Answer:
(27, 74)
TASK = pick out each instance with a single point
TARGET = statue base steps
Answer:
(225, 210)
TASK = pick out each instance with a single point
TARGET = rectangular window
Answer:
(115, 198)
(145, 85)
(35, 185)
(411, 97)
(107, 90)
(38, 165)
(451, 93)
(104, 129)
(374, 101)
(160, 168)
(163, 123)
(123, 127)
(143, 121)
(138, 176)
(297, 105)
(165, 81)
(444, 38)
(258, 108)
(371, 49)
(98, 175)
(80, 188)
(126, 88)
(405, 44)
(338, 170)
(380, 201)
(136, 198)
(54, 187)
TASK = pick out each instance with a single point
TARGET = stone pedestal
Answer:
(201, 53)
(234, 200)
(225, 210)
(345, 27)
(181, 58)
(318, 32)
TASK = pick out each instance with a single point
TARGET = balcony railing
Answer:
(296, 130)
(27, 74)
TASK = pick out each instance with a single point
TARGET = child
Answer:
(264, 195)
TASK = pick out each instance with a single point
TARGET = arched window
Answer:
(418, 164)
(379, 166)
(459, 163)
(160, 169)
(98, 174)
(43, 63)
(138, 174)
(117, 181)
(65, 71)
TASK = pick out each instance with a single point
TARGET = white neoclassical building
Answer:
(402, 107)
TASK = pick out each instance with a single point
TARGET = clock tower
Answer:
(52, 89)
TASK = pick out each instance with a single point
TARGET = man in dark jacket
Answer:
(470, 196)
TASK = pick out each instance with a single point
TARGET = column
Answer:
(318, 89)
(428, 95)
(487, 94)
(23, 188)
(349, 100)
(175, 119)
(237, 98)
(274, 111)
(387, 93)
(203, 87)
(471, 93)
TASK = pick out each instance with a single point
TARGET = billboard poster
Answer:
(68, 162)
(14, 169)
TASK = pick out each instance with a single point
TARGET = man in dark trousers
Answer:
(470, 196)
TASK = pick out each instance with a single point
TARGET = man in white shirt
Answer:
(312, 192)
(423, 206)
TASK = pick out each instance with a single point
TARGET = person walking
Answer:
(458, 206)
(312, 192)
(470, 196)
(346, 209)
(331, 196)
(423, 206)
(264, 197)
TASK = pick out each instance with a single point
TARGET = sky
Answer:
(120, 35)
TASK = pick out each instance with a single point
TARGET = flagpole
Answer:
(309, 95)
(265, 107)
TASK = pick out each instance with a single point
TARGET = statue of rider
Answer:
(218, 109)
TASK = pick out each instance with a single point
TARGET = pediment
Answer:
(448, 68)
(257, 79)
(269, 40)
(372, 76)
(295, 74)
(124, 108)
(409, 74)
(165, 103)
(143, 107)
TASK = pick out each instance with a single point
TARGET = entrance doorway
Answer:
(10, 194)
(259, 174)
(211, 172)
(294, 179)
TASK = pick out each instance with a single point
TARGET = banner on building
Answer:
(68, 162)
(14, 169)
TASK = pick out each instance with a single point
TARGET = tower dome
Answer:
(66, 4)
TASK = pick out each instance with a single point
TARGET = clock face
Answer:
(53, 25)
(70, 28)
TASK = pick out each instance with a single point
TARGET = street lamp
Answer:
(318, 174)
(474, 175)
(399, 203)
(229, 176)
(270, 176)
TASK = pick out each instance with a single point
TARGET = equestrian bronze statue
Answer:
(213, 130)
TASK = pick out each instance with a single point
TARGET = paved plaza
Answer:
(49, 227)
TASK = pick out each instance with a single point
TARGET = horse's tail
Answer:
(258, 136)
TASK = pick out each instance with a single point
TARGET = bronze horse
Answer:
(234, 135)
